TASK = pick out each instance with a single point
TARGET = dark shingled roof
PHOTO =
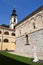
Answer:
(13, 13)
(4, 25)
(33, 13)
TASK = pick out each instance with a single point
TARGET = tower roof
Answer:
(14, 12)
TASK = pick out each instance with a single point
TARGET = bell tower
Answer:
(13, 19)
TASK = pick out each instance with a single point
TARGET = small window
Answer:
(6, 33)
(14, 20)
(26, 36)
(34, 25)
(13, 34)
(0, 40)
(6, 40)
(20, 31)
(27, 40)
(0, 32)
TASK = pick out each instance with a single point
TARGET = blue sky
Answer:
(23, 8)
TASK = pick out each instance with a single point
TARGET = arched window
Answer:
(13, 34)
(26, 36)
(6, 33)
(20, 31)
(27, 43)
(34, 25)
(0, 40)
(0, 32)
(14, 20)
(5, 40)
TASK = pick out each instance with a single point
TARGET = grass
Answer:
(7, 59)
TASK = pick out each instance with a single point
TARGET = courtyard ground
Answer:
(11, 59)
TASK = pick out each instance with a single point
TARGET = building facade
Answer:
(7, 39)
(29, 33)
(22, 37)
(7, 34)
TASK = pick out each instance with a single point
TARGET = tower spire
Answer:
(14, 12)
(13, 20)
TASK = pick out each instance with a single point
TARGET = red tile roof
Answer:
(7, 28)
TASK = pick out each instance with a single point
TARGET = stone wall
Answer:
(34, 38)
(27, 25)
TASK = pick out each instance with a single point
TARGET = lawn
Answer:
(7, 59)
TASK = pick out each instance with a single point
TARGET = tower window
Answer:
(6, 40)
(14, 20)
